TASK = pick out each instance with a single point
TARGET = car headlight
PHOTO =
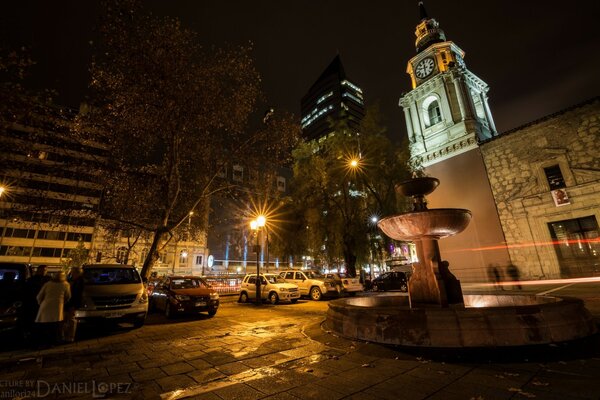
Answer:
(14, 308)
(214, 296)
(283, 289)
(144, 297)
(181, 297)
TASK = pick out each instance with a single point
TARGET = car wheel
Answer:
(294, 301)
(315, 294)
(212, 313)
(273, 298)
(404, 287)
(168, 312)
(243, 297)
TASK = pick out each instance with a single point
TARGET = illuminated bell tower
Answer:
(447, 116)
(447, 110)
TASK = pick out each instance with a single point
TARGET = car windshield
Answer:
(110, 276)
(274, 278)
(9, 275)
(313, 274)
(187, 283)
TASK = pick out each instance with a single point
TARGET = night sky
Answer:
(537, 56)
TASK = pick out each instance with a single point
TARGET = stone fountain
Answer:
(436, 313)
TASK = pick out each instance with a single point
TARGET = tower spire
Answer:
(428, 30)
(422, 12)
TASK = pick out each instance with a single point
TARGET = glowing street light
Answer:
(256, 225)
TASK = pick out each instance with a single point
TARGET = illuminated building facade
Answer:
(545, 177)
(50, 202)
(533, 191)
(332, 96)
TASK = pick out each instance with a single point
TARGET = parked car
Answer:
(12, 291)
(184, 294)
(113, 292)
(345, 283)
(390, 281)
(272, 288)
(311, 283)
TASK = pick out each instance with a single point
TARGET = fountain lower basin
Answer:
(485, 321)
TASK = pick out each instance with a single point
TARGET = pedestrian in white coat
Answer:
(52, 298)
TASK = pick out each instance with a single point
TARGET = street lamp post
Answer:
(255, 225)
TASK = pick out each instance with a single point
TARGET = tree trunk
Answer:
(349, 256)
(152, 254)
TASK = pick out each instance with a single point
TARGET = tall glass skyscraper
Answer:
(332, 96)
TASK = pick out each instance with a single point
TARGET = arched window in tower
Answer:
(432, 113)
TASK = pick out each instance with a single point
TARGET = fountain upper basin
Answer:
(432, 224)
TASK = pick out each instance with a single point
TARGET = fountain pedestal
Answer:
(431, 282)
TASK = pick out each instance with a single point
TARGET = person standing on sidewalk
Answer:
(52, 298)
(76, 283)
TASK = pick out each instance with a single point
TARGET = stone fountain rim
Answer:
(558, 319)
(429, 210)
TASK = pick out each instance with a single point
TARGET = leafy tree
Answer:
(77, 256)
(337, 198)
(173, 115)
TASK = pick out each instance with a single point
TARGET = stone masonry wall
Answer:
(515, 163)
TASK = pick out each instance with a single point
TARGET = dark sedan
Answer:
(13, 295)
(390, 281)
(184, 294)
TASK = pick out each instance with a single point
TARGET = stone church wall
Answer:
(515, 163)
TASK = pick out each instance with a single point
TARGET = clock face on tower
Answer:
(424, 67)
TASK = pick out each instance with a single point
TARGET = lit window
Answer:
(434, 113)
(183, 254)
(238, 173)
(122, 255)
(281, 183)
(555, 177)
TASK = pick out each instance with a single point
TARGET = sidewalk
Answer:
(281, 352)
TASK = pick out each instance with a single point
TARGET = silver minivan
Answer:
(113, 292)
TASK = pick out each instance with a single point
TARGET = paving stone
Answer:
(314, 392)
(281, 396)
(232, 368)
(199, 363)
(177, 368)
(206, 375)
(147, 374)
(123, 368)
(238, 391)
(173, 382)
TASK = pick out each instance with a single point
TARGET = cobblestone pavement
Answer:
(281, 352)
